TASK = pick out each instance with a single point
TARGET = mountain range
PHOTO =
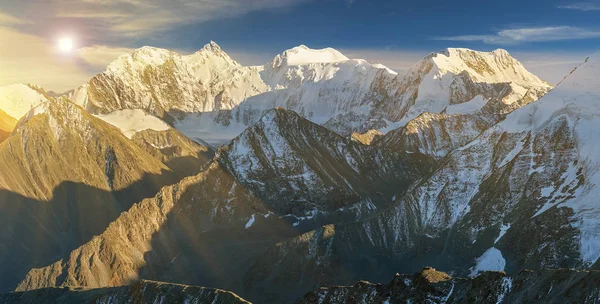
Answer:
(311, 170)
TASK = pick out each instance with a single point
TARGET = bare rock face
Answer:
(138, 293)
(435, 135)
(432, 286)
(368, 137)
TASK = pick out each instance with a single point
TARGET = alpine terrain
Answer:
(291, 181)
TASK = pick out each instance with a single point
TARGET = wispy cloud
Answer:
(99, 56)
(6, 19)
(133, 17)
(582, 6)
(103, 28)
(528, 35)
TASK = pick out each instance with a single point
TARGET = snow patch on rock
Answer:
(491, 260)
(133, 121)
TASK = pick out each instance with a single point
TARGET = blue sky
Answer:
(549, 37)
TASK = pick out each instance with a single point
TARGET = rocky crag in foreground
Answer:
(427, 286)
(139, 293)
(432, 286)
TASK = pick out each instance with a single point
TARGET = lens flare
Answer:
(66, 44)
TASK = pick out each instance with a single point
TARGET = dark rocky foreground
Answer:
(138, 293)
(432, 286)
(427, 286)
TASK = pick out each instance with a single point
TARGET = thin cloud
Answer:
(582, 6)
(100, 56)
(6, 19)
(528, 35)
(130, 17)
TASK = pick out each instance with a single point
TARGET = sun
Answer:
(66, 44)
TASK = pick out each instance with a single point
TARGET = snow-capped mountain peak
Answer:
(18, 99)
(460, 81)
(139, 60)
(302, 55)
(209, 60)
(578, 96)
(493, 67)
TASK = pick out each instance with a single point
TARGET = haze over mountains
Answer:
(312, 170)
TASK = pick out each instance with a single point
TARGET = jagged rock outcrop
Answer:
(435, 135)
(368, 137)
(432, 286)
(140, 292)
(427, 286)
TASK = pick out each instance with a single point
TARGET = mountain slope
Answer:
(18, 99)
(302, 168)
(435, 134)
(15, 101)
(165, 83)
(7, 124)
(65, 175)
(462, 81)
(223, 216)
(520, 196)
(138, 293)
